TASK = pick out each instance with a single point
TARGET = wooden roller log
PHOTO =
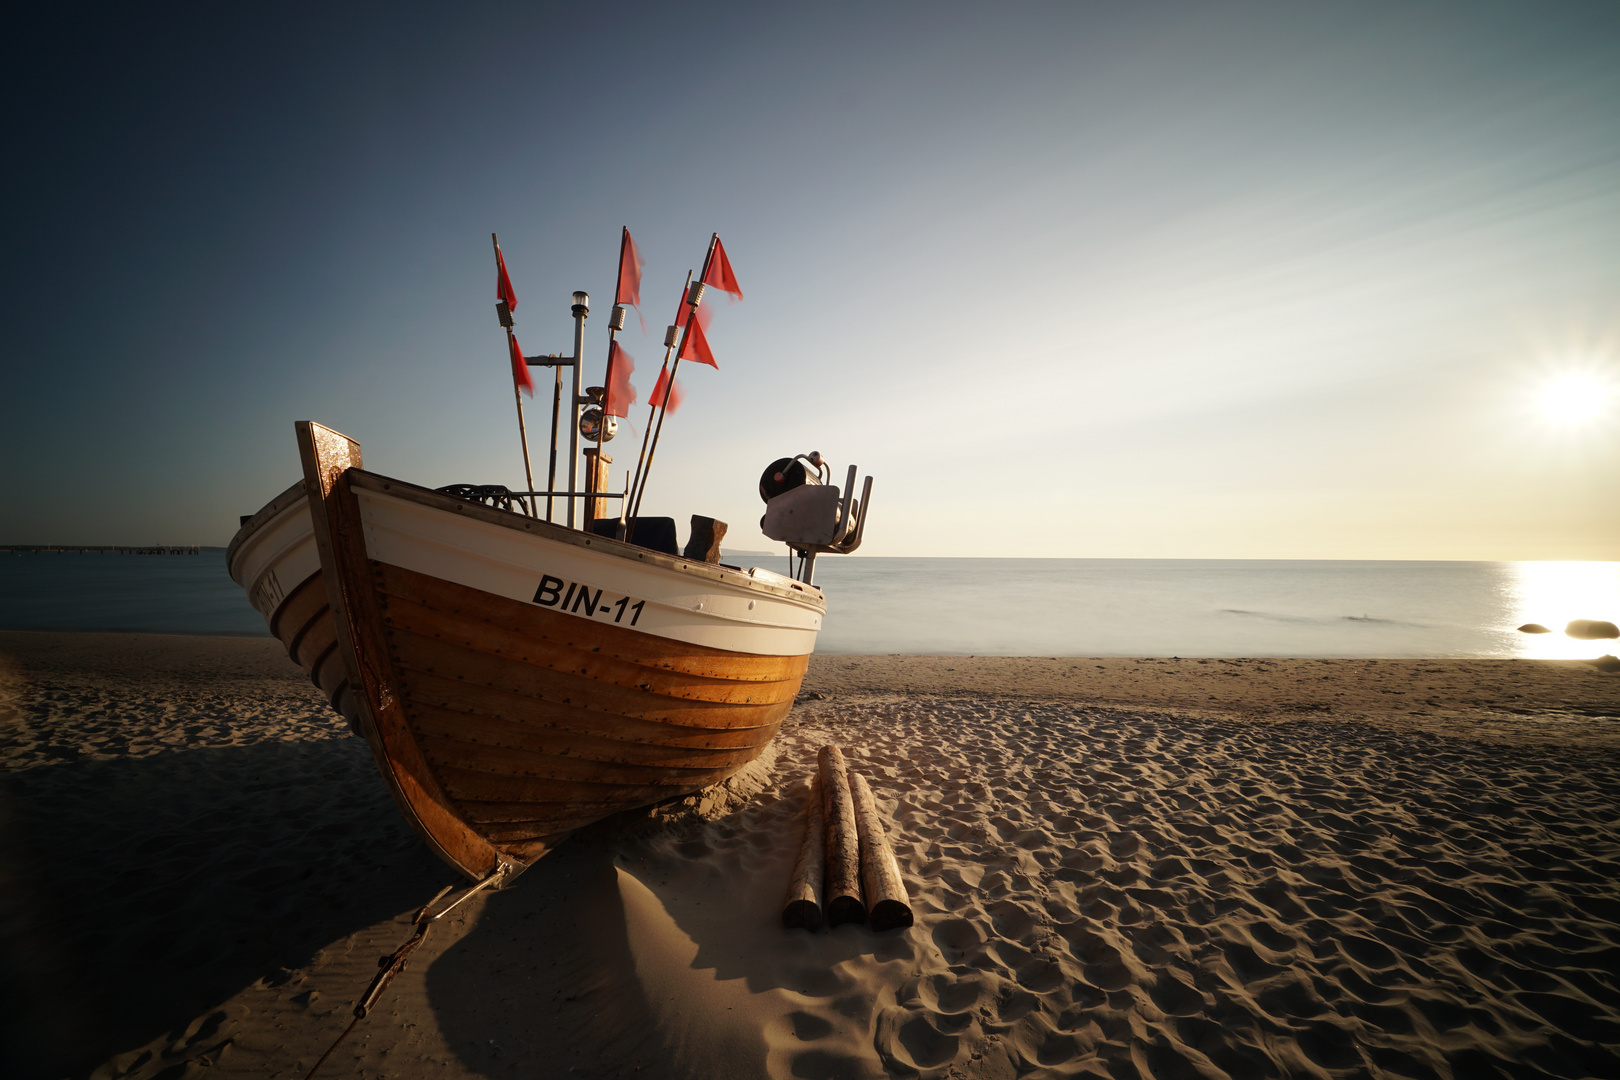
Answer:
(803, 909)
(887, 903)
(843, 896)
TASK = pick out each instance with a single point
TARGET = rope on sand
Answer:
(391, 965)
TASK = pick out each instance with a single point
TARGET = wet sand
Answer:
(1120, 868)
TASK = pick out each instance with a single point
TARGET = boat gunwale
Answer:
(809, 596)
(262, 517)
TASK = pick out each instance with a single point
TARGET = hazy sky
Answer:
(1092, 279)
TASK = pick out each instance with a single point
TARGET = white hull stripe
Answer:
(583, 582)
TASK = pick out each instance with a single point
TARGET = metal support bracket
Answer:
(850, 531)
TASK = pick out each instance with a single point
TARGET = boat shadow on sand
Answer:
(137, 894)
(225, 906)
(661, 952)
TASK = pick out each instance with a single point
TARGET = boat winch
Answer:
(809, 514)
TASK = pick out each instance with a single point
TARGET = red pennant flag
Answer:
(629, 290)
(520, 369)
(620, 394)
(719, 274)
(705, 315)
(697, 345)
(503, 284)
(659, 391)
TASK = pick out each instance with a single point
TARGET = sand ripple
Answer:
(201, 870)
(1103, 893)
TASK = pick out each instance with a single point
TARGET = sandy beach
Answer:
(1119, 867)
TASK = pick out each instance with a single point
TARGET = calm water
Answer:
(1075, 607)
(155, 594)
(1169, 607)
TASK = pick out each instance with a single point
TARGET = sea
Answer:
(990, 607)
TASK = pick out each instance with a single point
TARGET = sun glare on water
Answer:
(1552, 594)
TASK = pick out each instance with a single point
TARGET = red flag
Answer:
(675, 397)
(520, 369)
(705, 315)
(696, 346)
(629, 291)
(719, 274)
(503, 284)
(620, 394)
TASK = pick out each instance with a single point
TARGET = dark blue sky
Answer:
(1084, 279)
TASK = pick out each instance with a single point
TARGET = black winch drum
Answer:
(784, 474)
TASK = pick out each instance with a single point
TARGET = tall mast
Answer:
(581, 310)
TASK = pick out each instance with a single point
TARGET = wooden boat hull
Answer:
(517, 680)
(274, 558)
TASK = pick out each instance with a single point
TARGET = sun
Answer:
(1573, 399)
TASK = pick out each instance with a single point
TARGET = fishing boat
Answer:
(518, 678)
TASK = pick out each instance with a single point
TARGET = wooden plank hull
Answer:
(504, 722)
(274, 558)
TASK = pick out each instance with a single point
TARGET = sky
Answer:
(1205, 280)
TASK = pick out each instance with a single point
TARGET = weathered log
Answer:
(843, 895)
(803, 908)
(888, 906)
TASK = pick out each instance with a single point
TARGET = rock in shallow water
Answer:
(1533, 628)
(1592, 629)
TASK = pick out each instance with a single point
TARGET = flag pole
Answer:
(615, 324)
(669, 392)
(694, 296)
(523, 430)
(504, 309)
(592, 475)
(652, 410)
(556, 410)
